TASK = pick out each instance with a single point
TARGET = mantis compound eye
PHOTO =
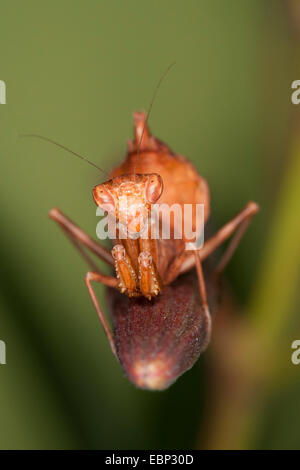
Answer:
(154, 188)
(103, 198)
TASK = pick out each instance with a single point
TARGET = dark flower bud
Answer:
(158, 340)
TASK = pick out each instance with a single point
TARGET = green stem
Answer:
(277, 280)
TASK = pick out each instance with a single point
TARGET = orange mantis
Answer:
(149, 273)
(160, 310)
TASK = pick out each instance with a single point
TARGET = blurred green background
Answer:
(75, 71)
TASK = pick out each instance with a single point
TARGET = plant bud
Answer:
(158, 340)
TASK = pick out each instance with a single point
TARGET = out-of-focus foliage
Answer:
(75, 71)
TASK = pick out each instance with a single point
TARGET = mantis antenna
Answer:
(65, 148)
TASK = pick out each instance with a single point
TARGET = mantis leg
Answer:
(203, 294)
(108, 281)
(238, 224)
(78, 237)
(81, 241)
(231, 248)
